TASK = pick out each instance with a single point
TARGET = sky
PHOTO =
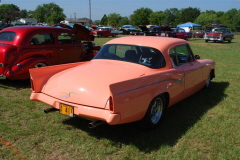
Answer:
(95, 9)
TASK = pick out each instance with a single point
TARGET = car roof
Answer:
(31, 28)
(22, 31)
(160, 43)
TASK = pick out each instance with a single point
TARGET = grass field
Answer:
(204, 126)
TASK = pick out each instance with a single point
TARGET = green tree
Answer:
(9, 13)
(188, 14)
(156, 18)
(171, 16)
(30, 14)
(236, 21)
(228, 17)
(114, 19)
(104, 20)
(96, 22)
(124, 21)
(140, 16)
(50, 13)
(24, 14)
(206, 18)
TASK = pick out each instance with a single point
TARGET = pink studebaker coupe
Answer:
(130, 79)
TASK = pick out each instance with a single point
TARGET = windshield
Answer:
(146, 56)
(220, 30)
(7, 36)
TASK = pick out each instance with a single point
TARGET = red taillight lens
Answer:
(110, 103)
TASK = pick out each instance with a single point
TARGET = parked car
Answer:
(133, 31)
(3, 25)
(199, 34)
(132, 78)
(176, 33)
(25, 47)
(105, 32)
(150, 31)
(124, 31)
(219, 34)
(189, 34)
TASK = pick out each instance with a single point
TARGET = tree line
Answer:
(52, 14)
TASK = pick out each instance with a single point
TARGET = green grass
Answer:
(204, 126)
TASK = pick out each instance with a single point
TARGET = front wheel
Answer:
(38, 65)
(208, 81)
(154, 113)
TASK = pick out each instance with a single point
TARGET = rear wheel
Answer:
(229, 41)
(206, 41)
(38, 65)
(154, 113)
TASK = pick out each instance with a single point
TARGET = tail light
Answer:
(110, 103)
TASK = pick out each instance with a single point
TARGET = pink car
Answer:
(25, 47)
(130, 79)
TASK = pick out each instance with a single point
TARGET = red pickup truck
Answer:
(219, 34)
(105, 32)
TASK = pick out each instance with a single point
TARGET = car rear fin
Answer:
(40, 76)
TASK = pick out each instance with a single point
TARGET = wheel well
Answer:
(212, 74)
(166, 95)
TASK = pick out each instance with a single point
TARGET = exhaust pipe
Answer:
(50, 110)
(95, 124)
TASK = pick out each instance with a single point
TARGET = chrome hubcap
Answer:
(156, 110)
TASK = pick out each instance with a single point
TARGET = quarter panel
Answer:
(132, 98)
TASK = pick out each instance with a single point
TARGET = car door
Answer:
(43, 43)
(69, 49)
(184, 60)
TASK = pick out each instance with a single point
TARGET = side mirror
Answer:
(197, 57)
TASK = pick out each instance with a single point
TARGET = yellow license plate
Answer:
(66, 110)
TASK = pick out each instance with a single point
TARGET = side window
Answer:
(7, 36)
(146, 56)
(66, 38)
(42, 38)
(181, 55)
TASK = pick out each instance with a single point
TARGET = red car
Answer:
(105, 32)
(198, 34)
(25, 47)
(219, 34)
(176, 33)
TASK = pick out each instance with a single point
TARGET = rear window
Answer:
(146, 56)
(7, 36)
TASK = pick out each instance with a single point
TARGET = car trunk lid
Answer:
(88, 84)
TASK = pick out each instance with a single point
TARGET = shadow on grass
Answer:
(178, 119)
(15, 84)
